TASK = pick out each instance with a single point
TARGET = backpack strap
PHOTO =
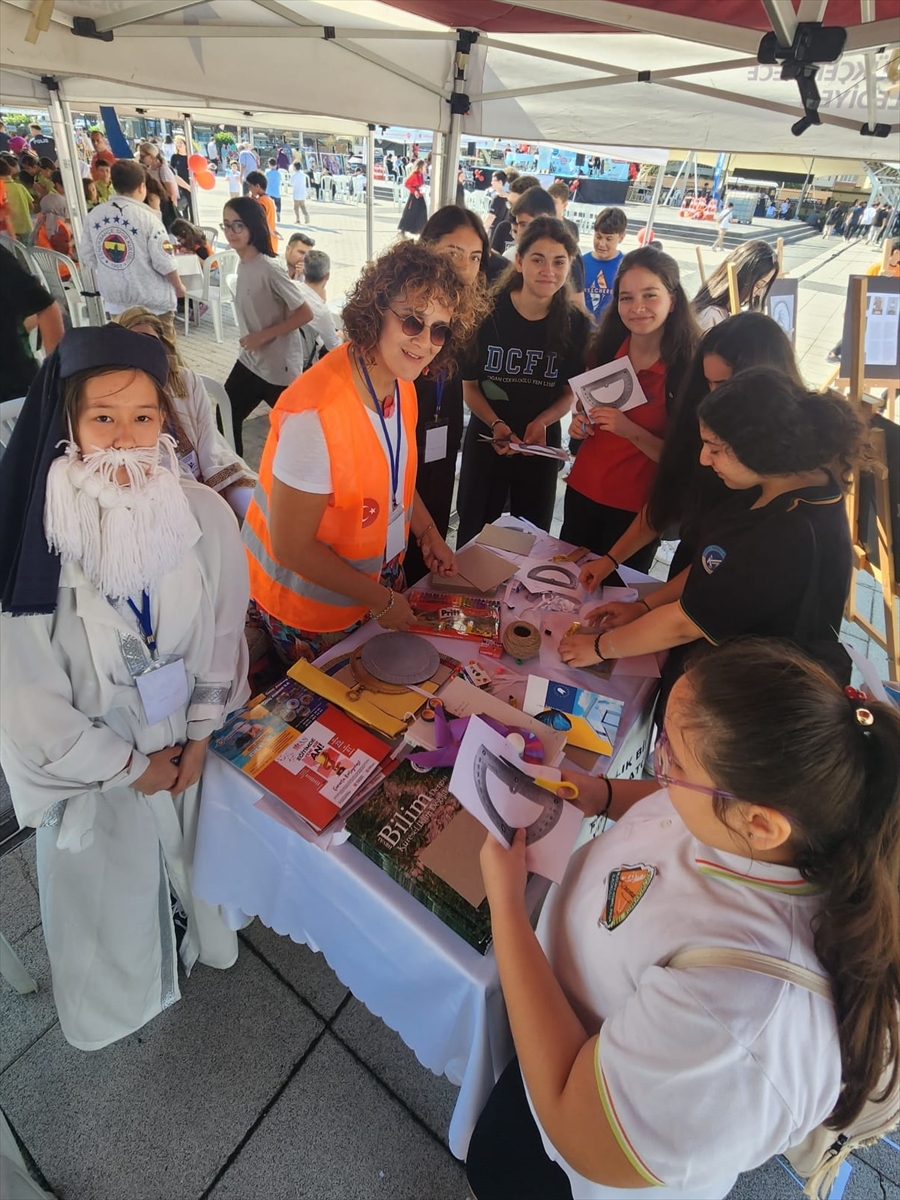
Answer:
(751, 960)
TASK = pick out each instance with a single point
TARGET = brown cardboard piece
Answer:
(481, 572)
(514, 541)
(454, 856)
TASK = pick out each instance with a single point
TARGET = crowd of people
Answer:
(137, 547)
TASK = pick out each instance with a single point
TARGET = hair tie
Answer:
(864, 715)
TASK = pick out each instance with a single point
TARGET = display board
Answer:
(781, 305)
(882, 329)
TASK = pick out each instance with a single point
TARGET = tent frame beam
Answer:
(284, 31)
(130, 16)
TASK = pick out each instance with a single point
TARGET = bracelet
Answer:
(498, 421)
(641, 600)
(611, 559)
(421, 536)
(604, 813)
(387, 608)
(597, 649)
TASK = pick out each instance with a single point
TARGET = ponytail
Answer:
(830, 765)
(775, 426)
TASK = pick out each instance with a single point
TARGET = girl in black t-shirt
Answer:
(460, 235)
(773, 561)
(517, 384)
(684, 491)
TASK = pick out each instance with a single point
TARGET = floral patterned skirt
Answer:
(292, 644)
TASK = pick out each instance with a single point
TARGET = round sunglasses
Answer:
(439, 332)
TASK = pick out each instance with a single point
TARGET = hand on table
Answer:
(503, 871)
(193, 756)
(577, 650)
(594, 572)
(615, 614)
(398, 616)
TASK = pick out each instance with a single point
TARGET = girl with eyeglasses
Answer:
(336, 502)
(516, 384)
(460, 235)
(270, 311)
(635, 1078)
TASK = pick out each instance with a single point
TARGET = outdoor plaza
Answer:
(348, 1052)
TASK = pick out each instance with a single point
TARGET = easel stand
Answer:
(877, 465)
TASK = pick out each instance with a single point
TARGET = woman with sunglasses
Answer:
(772, 561)
(460, 235)
(517, 383)
(328, 526)
(636, 1078)
(270, 311)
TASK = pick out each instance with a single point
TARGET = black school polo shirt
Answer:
(752, 566)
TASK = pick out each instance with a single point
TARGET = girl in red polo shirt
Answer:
(650, 321)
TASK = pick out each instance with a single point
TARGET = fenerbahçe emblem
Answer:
(115, 248)
(625, 888)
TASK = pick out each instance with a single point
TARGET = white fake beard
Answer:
(125, 537)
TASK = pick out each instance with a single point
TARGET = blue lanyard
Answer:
(439, 388)
(143, 616)
(393, 457)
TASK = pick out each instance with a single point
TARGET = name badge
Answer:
(191, 464)
(436, 441)
(163, 688)
(396, 538)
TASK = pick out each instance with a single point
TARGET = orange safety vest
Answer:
(355, 521)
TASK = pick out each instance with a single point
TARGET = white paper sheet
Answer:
(493, 785)
(614, 385)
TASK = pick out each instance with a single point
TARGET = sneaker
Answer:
(204, 309)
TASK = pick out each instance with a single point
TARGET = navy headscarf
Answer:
(29, 569)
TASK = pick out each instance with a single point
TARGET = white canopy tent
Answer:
(647, 73)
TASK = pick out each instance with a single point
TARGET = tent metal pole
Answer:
(195, 191)
(654, 201)
(370, 194)
(681, 167)
(438, 166)
(64, 133)
(696, 181)
(805, 188)
(459, 106)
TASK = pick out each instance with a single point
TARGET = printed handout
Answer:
(614, 385)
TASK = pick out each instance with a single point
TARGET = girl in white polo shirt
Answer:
(777, 829)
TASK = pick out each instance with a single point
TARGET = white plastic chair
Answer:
(211, 234)
(69, 294)
(222, 405)
(9, 414)
(212, 291)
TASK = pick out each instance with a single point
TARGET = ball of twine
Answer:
(522, 640)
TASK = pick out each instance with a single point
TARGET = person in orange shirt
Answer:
(256, 182)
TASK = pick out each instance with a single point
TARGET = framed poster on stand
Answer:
(781, 305)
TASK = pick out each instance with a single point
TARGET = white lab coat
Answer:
(70, 720)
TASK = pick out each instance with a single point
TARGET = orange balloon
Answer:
(205, 179)
(198, 163)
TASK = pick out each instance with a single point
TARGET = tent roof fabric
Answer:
(542, 70)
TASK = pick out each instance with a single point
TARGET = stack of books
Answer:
(304, 750)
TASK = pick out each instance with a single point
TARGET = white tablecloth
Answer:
(399, 959)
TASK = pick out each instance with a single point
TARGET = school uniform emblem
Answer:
(712, 557)
(625, 889)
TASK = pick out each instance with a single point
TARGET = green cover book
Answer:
(412, 815)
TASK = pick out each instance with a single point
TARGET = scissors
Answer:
(559, 787)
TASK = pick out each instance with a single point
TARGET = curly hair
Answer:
(413, 269)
